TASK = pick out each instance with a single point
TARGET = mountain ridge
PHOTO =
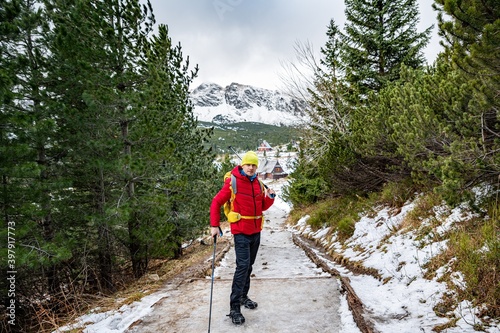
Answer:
(245, 103)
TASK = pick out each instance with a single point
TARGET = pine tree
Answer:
(101, 157)
(471, 33)
(471, 30)
(140, 133)
(9, 12)
(9, 34)
(328, 100)
(95, 56)
(30, 172)
(78, 57)
(187, 173)
(379, 37)
(126, 49)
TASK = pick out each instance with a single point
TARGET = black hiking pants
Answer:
(246, 247)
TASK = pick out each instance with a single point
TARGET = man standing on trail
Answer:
(250, 200)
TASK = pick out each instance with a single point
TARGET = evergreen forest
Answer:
(104, 168)
(248, 136)
(386, 125)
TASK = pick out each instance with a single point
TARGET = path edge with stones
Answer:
(354, 302)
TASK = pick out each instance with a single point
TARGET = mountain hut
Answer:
(270, 169)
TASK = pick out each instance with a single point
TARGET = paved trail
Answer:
(293, 294)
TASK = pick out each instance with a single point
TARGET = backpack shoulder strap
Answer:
(233, 184)
(262, 185)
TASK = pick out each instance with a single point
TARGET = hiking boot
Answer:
(248, 303)
(236, 316)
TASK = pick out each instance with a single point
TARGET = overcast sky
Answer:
(248, 41)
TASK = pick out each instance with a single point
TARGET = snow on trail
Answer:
(293, 294)
(403, 300)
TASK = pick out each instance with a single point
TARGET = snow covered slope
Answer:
(243, 103)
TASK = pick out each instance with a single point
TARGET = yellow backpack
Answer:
(231, 215)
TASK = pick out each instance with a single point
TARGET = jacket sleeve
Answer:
(218, 201)
(266, 203)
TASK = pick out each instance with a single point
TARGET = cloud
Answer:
(246, 41)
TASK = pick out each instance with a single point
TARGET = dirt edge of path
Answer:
(203, 267)
(200, 269)
(354, 302)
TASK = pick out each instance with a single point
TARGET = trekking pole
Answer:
(234, 151)
(212, 284)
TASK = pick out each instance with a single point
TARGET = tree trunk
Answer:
(104, 242)
(52, 271)
(105, 260)
(178, 250)
(138, 251)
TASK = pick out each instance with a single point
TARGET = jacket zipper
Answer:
(254, 205)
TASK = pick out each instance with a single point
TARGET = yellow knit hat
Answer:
(250, 158)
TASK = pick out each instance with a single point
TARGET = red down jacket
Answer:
(249, 201)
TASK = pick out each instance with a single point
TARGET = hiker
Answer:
(250, 200)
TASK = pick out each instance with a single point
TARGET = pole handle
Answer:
(220, 235)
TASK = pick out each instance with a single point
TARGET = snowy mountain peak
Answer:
(243, 103)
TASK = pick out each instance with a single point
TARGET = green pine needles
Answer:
(103, 166)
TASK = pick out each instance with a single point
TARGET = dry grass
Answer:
(423, 210)
(160, 273)
(473, 248)
(474, 251)
(443, 327)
